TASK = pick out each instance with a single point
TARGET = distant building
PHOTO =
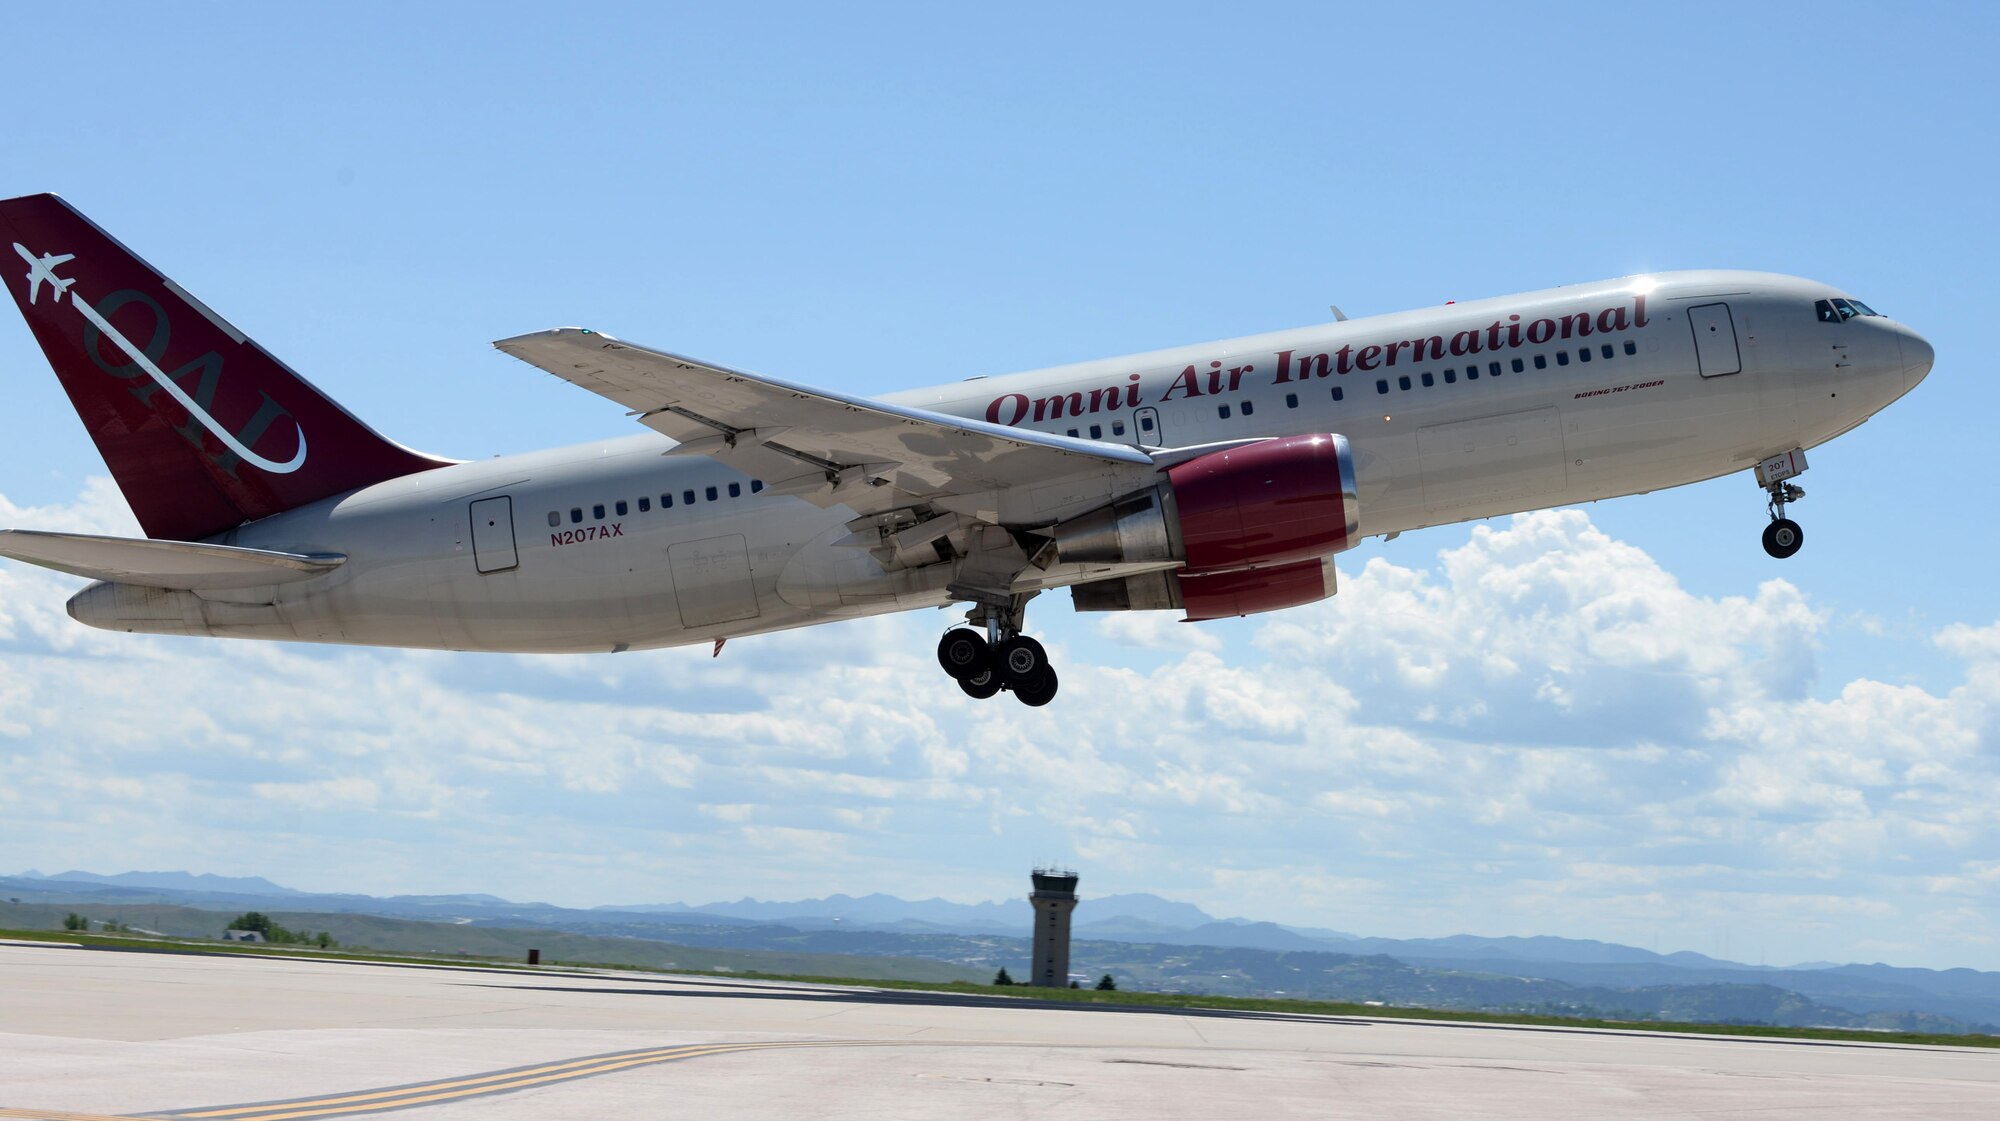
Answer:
(1054, 898)
(242, 936)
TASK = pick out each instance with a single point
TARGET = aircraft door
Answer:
(493, 535)
(1715, 346)
(1146, 429)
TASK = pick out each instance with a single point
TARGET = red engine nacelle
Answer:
(1272, 502)
(1253, 527)
(1221, 595)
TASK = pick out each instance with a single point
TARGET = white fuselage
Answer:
(598, 546)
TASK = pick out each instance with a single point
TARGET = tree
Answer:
(1106, 985)
(252, 920)
(325, 941)
(1001, 978)
(74, 921)
(1074, 985)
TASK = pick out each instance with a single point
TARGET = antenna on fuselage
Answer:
(1339, 316)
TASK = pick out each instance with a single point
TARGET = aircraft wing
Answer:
(186, 565)
(827, 447)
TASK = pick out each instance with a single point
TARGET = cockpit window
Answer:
(1841, 310)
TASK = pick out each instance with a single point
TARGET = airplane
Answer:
(42, 271)
(1219, 479)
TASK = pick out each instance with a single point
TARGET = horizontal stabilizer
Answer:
(182, 565)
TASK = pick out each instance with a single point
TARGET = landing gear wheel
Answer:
(1038, 692)
(1783, 537)
(1019, 661)
(964, 654)
(981, 685)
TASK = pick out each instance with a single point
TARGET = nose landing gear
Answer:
(1001, 659)
(1782, 537)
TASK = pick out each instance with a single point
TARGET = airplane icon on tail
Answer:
(42, 271)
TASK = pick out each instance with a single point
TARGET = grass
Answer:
(1032, 993)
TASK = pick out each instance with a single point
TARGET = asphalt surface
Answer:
(101, 1034)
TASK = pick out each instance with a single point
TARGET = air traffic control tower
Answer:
(1054, 898)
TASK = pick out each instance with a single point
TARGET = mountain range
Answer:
(1159, 943)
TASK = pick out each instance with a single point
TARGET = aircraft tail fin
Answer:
(202, 428)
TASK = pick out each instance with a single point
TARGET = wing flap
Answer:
(183, 565)
(777, 428)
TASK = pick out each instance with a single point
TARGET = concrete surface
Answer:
(93, 1034)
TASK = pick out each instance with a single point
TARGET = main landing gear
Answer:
(1001, 659)
(1782, 537)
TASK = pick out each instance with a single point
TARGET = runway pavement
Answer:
(101, 1034)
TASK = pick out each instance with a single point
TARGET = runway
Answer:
(91, 1034)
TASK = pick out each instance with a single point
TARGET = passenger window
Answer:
(1340, 394)
(1517, 366)
(1541, 361)
(1631, 347)
(555, 517)
(1291, 400)
(1097, 432)
(1074, 432)
(622, 508)
(1562, 357)
(736, 490)
(1145, 424)
(1491, 368)
(1608, 352)
(575, 514)
(1381, 385)
(1222, 411)
(1451, 377)
(667, 501)
(1402, 381)
(1249, 407)
(597, 512)
(711, 494)
(645, 504)
(687, 497)
(756, 485)
(1583, 355)
(1429, 381)
(1117, 428)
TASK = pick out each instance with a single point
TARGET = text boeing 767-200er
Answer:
(1219, 479)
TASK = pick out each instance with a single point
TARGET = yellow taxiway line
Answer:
(445, 1089)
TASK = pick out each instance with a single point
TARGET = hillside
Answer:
(407, 936)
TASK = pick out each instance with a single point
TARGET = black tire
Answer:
(1783, 537)
(1019, 660)
(964, 653)
(981, 685)
(1038, 692)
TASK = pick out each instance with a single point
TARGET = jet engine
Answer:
(1253, 527)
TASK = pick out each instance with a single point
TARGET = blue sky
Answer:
(1663, 737)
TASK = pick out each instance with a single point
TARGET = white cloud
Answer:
(1543, 733)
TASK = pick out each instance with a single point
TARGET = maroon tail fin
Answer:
(201, 427)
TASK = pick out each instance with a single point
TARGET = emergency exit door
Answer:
(1715, 340)
(493, 535)
(1147, 432)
